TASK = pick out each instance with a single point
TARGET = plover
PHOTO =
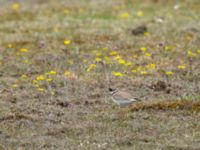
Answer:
(122, 98)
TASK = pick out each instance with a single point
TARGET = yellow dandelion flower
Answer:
(167, 48)
(106, 58)
(34, 81)
(147, 54)
(15, 6)
(40, 78)
(25, 61)
(23, 50)
(67, 42)
(67, 73)
(91, 67)
(66, 11)
(53, 93)
(37, 85)
(181, 67)
(135, 56)
(85, 60)
(143, 73)
(143, 49)
(98, 54)
(97, 59)
(134, 71)
(139, 13)
(168, 73)
(14, 85)
(81, 10)
(23, 76)
(113, 53)
(146, 33)
(198, 51)
(121, 61)
(128, 64)
(117, 74)
(190, 53)
(49, 79)
(52, 72)
(117, 57)
(139, 68)
(104, 48)
(151, 66)
(41, 89)
(124, 15)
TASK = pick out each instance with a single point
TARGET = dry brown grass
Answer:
(55, 96)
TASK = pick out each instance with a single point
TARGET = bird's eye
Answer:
(110, 89)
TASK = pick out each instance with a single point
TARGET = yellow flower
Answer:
(121, 61)
(190, 53)
(135, 56)
(198, 51)
(67, 42)
(117, 57)
(25, 61)
(168, 73)
(91, 67)
(97, 59)
(181, 67)
(168, 48)
(143, 73)
(143, 48)
(14, 85)
(146, 34)
(124, 15)
(113, 53)
(41, 90)
(106, 58)
(117, 74)
(67, 73)
(23, 50)
(66, 11)
(134, 71)
(52, 72)
(147, 54)
(128, 64)
(139, 68)
(85, 60)
(40, 78)
(49, 79)
(34, 82)
(15, 6)
(104, 48)
(139, 13)
(23, 76)
(53, 93)
(98, 54)
(37, 85)
(152, 66)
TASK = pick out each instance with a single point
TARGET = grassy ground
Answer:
(58, 59)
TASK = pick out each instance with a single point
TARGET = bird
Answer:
(122, 98)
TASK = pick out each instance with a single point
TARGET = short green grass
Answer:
(58, 59)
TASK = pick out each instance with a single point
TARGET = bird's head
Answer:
(111, 90)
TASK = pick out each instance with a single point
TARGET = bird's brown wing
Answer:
(120, 95)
